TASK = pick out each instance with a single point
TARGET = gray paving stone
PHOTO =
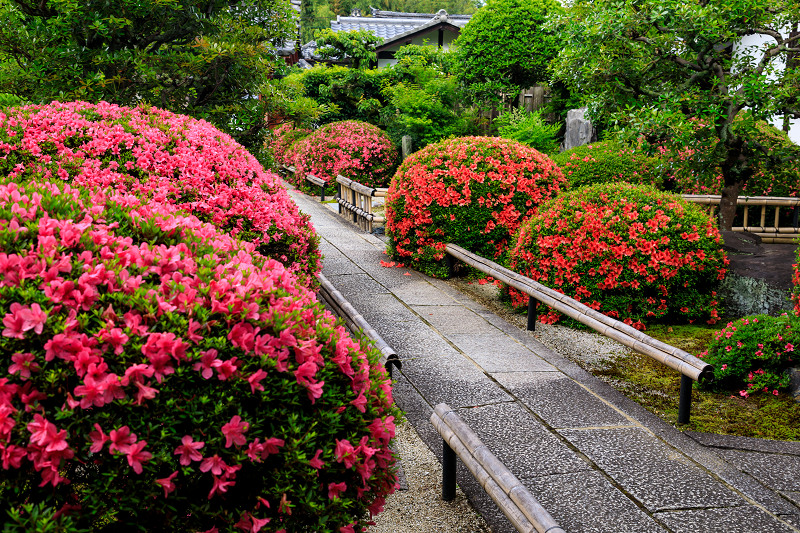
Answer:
(424, 343)
(453, 380)
(560, 402)
(499, 353)
(338, 265)
(793, 519)
(420, 292)
(793, 495)
(585, 502)
(779, 472)
(743, 519)
(453, 319)
(417, 411)
(520, 442)
(657, 475)
(357, 286)
(746, 443)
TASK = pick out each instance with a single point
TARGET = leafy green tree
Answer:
(505, 48)
(206, 59)
(357, 46)
(679, 73)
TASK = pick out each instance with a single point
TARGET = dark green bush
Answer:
(606, 162)
(528, 128)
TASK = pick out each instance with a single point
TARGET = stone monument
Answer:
(579, 129)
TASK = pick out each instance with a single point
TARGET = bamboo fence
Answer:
(770, 231)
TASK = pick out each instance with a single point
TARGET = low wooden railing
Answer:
(356, 199)
(354, 321)
(690, 367)
(772, 229)
(512, 498)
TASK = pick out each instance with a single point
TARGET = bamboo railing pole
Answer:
(512, 497)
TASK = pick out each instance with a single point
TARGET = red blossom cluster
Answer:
(471, 191)
(631, 252)
(165, 157)
(160, 372)
(356, 150)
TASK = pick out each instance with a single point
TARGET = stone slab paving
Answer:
(596, 461)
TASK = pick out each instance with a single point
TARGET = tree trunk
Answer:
(727, 205)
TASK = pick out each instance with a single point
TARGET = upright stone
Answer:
(579, 129)
(405, 146)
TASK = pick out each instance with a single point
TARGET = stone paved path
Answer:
(595, 460)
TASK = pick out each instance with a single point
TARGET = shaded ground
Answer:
(752, 259)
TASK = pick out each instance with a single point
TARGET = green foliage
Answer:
(471, 191)
(37, 518)
(505, 48)
(630, 252)
(357, 46)
(608, 161)
(205, 59)
(753, 354)
(528, 128)
(348, 94)
(623, 57)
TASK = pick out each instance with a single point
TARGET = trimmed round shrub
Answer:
(470, 191)
(356, 150)
(631, 252)
(162, 376)
(607, 161)
(165, 157)
(283, 137)
(753, 354)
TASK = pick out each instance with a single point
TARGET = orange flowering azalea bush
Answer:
(356, 150)
(163, 376)
(631, 252)
(471, 191)
(166, 157)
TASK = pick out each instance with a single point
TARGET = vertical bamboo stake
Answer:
(448, 472)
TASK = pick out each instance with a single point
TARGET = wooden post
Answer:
(533, 306)
(685, 402)
(448, 472)
(537, 101)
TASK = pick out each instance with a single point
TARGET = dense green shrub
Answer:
(356, 150)
(283, 137)
(471, 191)
(631, 252)
(528, 128)
(163, 156)
(753, 354)
(608, 161)
(162, 376)
(350, 94)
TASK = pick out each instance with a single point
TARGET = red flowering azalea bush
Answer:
(607, 161)
(165, 157)
(283, 137)
(356, 150)
(753, 355)
(631, 252)
(162, 376)
(471, 191)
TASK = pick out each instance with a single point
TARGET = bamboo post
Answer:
(340, 187)
(449, 467)
(685, 401)
(533, 305)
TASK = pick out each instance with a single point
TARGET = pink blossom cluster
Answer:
(281, 141)
(471, 191)
(154, 359)
(356, 150)
(165, 157)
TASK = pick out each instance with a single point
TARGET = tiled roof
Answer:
(390, 24)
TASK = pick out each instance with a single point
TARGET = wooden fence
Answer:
(775, 222)
(356, 200)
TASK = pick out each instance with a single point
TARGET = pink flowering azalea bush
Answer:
(631, 252)
(354, 149)
(166, 157)
(753, 354)
(283, 137)
(607, 161)
(161, 375)
(471, 191)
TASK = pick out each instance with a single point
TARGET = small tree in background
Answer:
(357, 46)
(505, 48)
(680, 74)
